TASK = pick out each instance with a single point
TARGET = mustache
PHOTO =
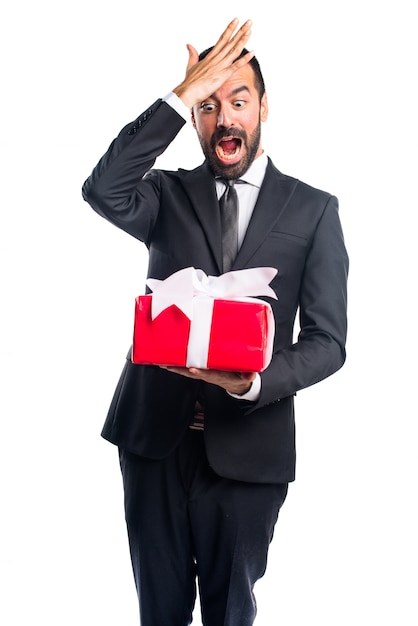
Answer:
(227, 132)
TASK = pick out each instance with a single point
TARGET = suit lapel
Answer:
(275, 193)
(199, 185)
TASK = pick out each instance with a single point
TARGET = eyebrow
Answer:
(238, 89)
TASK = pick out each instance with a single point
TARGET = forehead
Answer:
(242, 78)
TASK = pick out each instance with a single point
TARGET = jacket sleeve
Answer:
(115, 189)
(320, 348)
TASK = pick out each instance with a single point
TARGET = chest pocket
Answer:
(290, 237)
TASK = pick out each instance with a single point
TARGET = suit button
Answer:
(134, 128)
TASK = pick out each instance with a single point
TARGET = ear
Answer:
(264, 108)
(193, 118)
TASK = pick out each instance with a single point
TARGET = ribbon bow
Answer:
(183, 286)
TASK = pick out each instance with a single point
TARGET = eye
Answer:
(238, 104)
(207, 107)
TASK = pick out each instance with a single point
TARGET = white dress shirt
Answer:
(247, 197)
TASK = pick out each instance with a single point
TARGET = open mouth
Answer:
(228, 148)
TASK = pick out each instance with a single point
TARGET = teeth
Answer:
(228, 155)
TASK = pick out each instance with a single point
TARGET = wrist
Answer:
(253, 390)
(240, 390)
(178, 105)
(181, 92)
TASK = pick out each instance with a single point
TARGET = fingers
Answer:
(230, 44)
(241, 37)
(228, 34)
(233, 382)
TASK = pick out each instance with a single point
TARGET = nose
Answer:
(224, 118)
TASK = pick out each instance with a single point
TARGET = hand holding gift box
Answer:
(209, 322)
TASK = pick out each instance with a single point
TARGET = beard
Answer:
(234, 171)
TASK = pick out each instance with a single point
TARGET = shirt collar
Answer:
(255, 173)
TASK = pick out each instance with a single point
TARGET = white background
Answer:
(341, 80)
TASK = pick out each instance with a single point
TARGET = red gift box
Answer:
(185, 324)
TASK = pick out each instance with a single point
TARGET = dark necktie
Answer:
(228, 203)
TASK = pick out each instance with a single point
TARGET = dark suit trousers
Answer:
(183, 522)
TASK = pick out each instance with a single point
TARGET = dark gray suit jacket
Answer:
(294, 228)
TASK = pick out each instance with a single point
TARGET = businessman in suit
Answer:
(206, 456)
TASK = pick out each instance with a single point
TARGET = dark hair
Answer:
(258, 77)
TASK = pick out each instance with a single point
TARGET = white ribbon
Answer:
(183, 286)
(193, 292)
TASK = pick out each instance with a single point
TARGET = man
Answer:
(202, 496)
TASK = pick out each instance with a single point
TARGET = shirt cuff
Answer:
(178, 105)
(253, 394)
